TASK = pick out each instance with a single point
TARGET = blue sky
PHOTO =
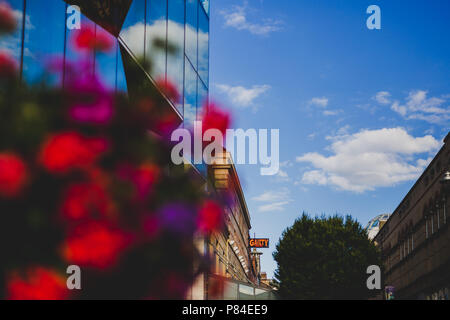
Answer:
(360, 112)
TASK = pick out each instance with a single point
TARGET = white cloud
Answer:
(273, 200)
(331, 112)
(12, 43)
(283, 175)
(241, 96)
(319, 102)
(383, 97)
(419, 106)
(276, 206)
(237, 18)
(370, 159)
(134, 34)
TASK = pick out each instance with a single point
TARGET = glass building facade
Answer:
(167, 40)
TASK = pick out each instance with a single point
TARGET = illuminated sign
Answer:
(259, 243)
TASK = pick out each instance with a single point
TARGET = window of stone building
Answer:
(438, 218)
(401, 252)
(409, 245)
(425, 181)
(432, 172)
(432, 223)
(445, 212)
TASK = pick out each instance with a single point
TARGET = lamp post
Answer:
(445, 182)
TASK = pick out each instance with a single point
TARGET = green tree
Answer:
(324, 258)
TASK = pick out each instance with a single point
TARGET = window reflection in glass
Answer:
(44, 36)
(156, 34)
(190, 95)
(74, 55)
(133, 29)
(191, 30)
(106, 63)
(12, 44)
(121, 79)
(202, 98)
(203, 47)
(205, 4)
(175, 59)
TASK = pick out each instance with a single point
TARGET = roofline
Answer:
(446, 140)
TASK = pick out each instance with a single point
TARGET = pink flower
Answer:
(66, 151)
(93, 39)
(210, 217)
(90, 101)
(143, 178)
(8, 66)
(215, 118)
(37, 284)
(86, 200)
(95, 244)
(169, 89)
(13, 174)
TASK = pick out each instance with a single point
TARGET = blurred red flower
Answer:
(85, 200)
(7, 19)
(169, 89)
(8, 66)
(90, 101)
(95, 244)
(167, 124)
(38, 284)
(93, 39)
(210, 217)
(152, 226)
(215, 118)
(13, 174)
(175, 286)
(66, 151)
(143, 178)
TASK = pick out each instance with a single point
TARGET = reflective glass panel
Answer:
(44, 36)
(175, 56)
(106, 63)
(190, 95)
(203, 47)
(133, 29)
(205, 4)
(156, 34)
(191, 30)
(202, 98)
(121, 79)
(12, 44)
(73, 56)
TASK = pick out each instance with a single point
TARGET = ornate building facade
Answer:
(415, 241)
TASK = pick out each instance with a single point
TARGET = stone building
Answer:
(415, 241)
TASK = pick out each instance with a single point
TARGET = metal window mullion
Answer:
(22, 49)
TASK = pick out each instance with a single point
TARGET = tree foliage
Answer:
(324, 258)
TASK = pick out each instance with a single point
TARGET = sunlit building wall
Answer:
(415, 241)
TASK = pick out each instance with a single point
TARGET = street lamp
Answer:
(445, 182)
